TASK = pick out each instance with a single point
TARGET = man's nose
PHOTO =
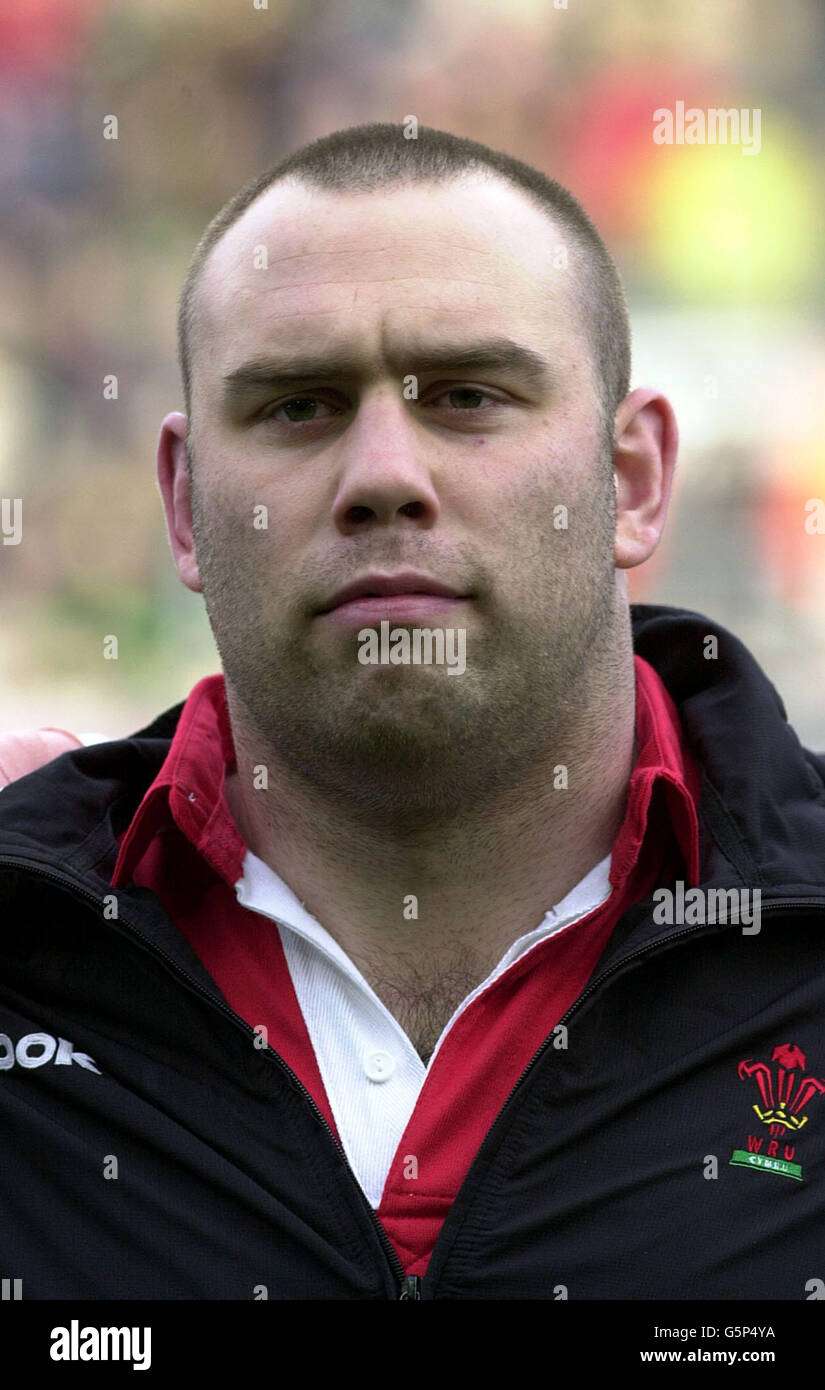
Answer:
(384, 463)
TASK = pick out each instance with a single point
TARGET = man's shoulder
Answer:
(55, 807)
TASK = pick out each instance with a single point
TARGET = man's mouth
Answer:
(369, 610)
(376, 597)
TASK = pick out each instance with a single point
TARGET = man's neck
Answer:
(473, 884)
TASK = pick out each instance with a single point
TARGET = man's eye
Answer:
(464, 397)
(298, 410)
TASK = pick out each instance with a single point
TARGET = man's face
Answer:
(458, 474)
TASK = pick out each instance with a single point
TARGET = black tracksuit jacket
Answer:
(607, 1174)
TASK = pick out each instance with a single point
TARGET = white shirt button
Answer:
(379, 1066)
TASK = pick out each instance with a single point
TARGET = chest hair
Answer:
(423, 995)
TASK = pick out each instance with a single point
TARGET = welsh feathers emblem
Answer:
(784, 1087)
(785, 1090)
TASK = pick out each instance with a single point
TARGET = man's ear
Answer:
(644, 458)
(173, 481)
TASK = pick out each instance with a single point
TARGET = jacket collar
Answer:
(762, 808)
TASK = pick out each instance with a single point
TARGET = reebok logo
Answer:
(36, 1049)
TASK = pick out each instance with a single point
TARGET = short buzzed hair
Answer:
(363, 158)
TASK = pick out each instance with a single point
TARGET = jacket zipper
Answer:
(410, 1286)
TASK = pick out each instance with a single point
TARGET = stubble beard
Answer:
(413, 745)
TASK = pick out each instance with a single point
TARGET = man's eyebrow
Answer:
(497, 354)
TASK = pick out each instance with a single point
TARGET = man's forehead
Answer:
(303, 218)
(300, 251)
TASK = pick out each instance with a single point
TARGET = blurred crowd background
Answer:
(721, 254)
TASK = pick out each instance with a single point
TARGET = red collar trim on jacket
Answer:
(189, 789)
(663, 756)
